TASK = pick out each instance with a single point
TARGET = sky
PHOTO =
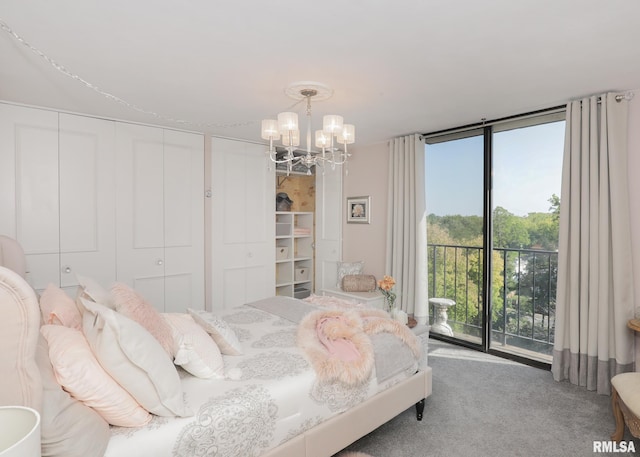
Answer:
(527, 170)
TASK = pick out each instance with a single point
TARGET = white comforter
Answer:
(271, 395)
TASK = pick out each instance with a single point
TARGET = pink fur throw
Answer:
(338, 346)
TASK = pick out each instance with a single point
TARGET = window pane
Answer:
(455, 183)
(527, 173)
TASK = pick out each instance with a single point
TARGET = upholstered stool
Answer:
(625, 401)
(440, 316)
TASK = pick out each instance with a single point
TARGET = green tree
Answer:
(509, 230)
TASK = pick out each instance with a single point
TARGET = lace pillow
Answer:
(222, 334)
(348, 268)
(195, 350)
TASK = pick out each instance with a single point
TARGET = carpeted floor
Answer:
(488, 406)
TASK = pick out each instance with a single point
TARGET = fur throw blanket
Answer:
(337, 342)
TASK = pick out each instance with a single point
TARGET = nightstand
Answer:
(371, 299)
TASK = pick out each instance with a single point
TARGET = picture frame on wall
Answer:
(359, 210)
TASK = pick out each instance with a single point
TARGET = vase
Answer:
(389, 304)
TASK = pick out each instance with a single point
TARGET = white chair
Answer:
(20, 432)
(625, 401)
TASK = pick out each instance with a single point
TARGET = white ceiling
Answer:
(396, 67)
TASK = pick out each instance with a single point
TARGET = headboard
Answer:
(20, 380)
(12, 255)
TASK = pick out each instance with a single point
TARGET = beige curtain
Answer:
(595, 288)
(406, 256)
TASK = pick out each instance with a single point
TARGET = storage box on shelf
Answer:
(294, 253)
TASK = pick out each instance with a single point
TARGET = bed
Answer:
(272, 400)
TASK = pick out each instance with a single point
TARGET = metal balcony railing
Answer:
(522, 297)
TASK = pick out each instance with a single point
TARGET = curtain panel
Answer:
(406, 247)
(595, 296)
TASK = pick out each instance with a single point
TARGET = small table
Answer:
(440, 316)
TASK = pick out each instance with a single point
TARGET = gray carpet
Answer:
(488, 406)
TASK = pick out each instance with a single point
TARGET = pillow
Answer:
(194, 350)
(80, 374)
(135, 359)
(348, 268)
(222, 334)
(359, 283)
(131, 304)
(58, 308)
(68, 428)
(92, 291)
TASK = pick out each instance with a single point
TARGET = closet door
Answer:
(87, 200)
(160, 214)
(243, 221)
(183, 221)
(29, 188)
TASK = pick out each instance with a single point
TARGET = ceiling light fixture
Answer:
(286, 128)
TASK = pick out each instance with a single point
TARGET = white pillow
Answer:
(135, 359)
(194, 350)
(92, 291)
(222, 334)
(78, 371)
(348, 268)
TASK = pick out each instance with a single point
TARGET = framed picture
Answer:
(359, 210)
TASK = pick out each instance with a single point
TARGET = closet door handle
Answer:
(66, 269)
(159, 262)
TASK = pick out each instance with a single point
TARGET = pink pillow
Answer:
(58, 308)
(195, 351)
(78, 371)
(131, 304)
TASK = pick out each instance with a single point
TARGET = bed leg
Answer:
(419, 409)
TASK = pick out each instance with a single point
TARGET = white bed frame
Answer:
(324, 440)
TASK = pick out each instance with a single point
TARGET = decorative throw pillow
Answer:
(131, 304)
(68, 427)
(135, 359)
(359, 283)
(348, 268)
(80, 374)
(58, 308)
(194, 350)
(222, 334)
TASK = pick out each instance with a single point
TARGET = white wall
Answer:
(367, 176)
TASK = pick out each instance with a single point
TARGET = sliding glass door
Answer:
(493, 215)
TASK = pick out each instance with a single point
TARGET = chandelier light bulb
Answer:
(323, 140)
(332, 123)
(291, 138)
(347, 135)
(270, 129)
(287, 122)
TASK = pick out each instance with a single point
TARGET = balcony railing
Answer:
(523, 293)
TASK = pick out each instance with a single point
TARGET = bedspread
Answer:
(271, 393)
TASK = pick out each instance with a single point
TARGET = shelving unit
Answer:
(294, 254)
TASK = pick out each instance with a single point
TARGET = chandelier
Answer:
(287, 130)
